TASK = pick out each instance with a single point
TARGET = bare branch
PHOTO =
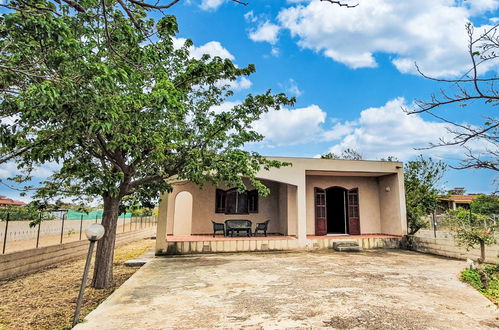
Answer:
(341, 4)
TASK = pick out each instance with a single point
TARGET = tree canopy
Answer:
(421, 178)
(347, 154)
(122, 115)
(486, 205)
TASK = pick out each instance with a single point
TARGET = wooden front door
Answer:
(320, 212)
(353, 212)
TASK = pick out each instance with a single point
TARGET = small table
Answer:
(238, 225)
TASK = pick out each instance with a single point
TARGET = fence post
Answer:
(434, 225)
(124, 222)
(62, 228)
(96, 217)
(38, 234)
(130, 222)
(6, 230)
(81, 225)
(141, 216)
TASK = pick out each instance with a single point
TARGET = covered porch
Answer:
(311, 204)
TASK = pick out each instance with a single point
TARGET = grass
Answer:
(485, 279)
(46, 299)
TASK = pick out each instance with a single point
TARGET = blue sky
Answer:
(351, 70)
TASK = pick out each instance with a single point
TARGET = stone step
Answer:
(347, 246)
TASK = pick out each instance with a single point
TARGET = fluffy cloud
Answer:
(210, 4)
(389, 131)
(266, 31)
(288, 127)
(9, 169)
(291, 88)
(212, 48)
(429, 32)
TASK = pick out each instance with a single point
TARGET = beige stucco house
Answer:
(312, 197)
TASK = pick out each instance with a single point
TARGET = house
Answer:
(311, 198)
(455, 199)
(5, 202)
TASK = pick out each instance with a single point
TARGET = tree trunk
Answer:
(103, 270)
(482, 251)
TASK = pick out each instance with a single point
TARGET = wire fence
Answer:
(46, 230)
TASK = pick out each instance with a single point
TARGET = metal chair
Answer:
(262, 226)
(217, 226)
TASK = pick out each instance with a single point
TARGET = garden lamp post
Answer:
(94, 233)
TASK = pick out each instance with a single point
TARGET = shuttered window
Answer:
(234, 202)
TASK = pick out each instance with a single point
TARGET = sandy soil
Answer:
(46, 299)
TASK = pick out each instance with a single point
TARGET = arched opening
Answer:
(182, 214)
(336, 210)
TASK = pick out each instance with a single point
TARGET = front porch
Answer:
(196, 244)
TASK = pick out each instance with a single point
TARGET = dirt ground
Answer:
(46, 299)
(383, 289)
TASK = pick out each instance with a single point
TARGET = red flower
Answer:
(486, 232)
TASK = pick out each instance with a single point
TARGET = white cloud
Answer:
(266, 31)
(389, 131)
(291, 88)
(210, 5)
(288, 127)
(250, 17)
(481, 6)
(212, 48)
(429, 32)
(275, 52)
(224, 107)
(9, 169)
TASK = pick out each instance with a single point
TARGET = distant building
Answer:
(455, 199)
(4, 202)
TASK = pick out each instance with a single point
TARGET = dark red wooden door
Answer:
(353, 212)
(320, 212)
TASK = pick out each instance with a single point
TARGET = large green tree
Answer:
(119, 109)
(422, 177)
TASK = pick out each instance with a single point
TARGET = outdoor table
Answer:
(238, 225)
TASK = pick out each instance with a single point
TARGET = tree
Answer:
(347, 154)
(472, 229)
(136, 11)
(486, 205)
(421, 177)
(470, 88)
(123, 116)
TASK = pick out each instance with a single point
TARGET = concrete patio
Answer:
(380, 289)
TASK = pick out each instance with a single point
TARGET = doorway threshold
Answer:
(336, 234)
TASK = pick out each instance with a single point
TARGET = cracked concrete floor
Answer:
(381, 289)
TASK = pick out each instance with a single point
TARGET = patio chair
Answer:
(262, 226)
(217, 226)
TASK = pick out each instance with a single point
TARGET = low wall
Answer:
(444, 245)
(285, 244)
(29, 261)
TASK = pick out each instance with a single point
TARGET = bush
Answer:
(472, 277)
(485, 279)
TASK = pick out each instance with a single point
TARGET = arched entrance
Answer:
(182, 214)
(336, 211)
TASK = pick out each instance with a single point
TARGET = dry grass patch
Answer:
(46, 299)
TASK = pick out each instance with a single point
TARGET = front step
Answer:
(346, 246)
